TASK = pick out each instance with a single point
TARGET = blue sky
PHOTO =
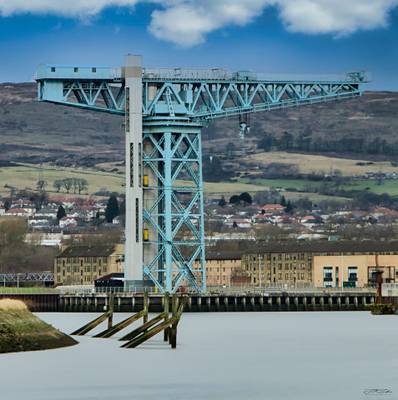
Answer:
(257, 35)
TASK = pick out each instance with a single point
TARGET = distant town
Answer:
(256, 240)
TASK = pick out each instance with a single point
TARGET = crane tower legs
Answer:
(164, 196)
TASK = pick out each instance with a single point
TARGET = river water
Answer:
(219, 356)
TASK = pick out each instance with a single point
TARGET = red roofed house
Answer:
(272, 208)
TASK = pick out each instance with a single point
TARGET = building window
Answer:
(139, 164)
(75, 69)
(352, 277)
(127, 110)
(137, 221)
(93, 69)
(327, 277)
(52, 69)
(131, 164)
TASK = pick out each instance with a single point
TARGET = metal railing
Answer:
(284, 289)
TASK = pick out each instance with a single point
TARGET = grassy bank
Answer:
(20, 330)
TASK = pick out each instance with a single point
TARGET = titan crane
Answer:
(165, 110)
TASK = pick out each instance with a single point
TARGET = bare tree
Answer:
(41, 185)
(67, 183)
(81, 184)
(57, 185)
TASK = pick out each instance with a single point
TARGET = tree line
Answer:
(75, 184)
(307, 142)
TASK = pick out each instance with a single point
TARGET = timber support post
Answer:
(172, 330)
(146, 307)
(166, 301)
(111, 305)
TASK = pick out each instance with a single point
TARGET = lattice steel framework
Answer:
(176, 103)
(173, 205)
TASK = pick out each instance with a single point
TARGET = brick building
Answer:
(321, 264)
(278, 264)
(82, 265)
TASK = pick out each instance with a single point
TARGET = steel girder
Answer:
(173, 205)
(171, 96)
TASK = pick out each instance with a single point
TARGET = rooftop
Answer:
(87, 251)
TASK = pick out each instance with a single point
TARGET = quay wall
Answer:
(202, 303)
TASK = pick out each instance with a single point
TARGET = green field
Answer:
(25, 177)
(389, 186)
(310, 163)
(286, 184)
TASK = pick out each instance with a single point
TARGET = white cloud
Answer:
(68, 8)
(334, 16)
(188, 22)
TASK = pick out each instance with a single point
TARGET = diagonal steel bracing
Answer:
(173, 215)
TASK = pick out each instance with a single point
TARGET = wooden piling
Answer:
(172, 330)
(146, 307)
(111, 305)
(166, 300)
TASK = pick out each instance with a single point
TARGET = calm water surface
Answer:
(219, 356)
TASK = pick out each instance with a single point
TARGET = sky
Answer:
(274, 36)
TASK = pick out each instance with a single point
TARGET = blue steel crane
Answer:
(165, 110)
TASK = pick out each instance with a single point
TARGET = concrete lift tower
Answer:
(165, 110)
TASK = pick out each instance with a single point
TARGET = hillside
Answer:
(366, 125)
(35, 132)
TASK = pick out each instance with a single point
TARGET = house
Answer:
(68, 222)
(244, 223)
(272, 209)
(310, 221)
(18, 212)
(47, 212)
